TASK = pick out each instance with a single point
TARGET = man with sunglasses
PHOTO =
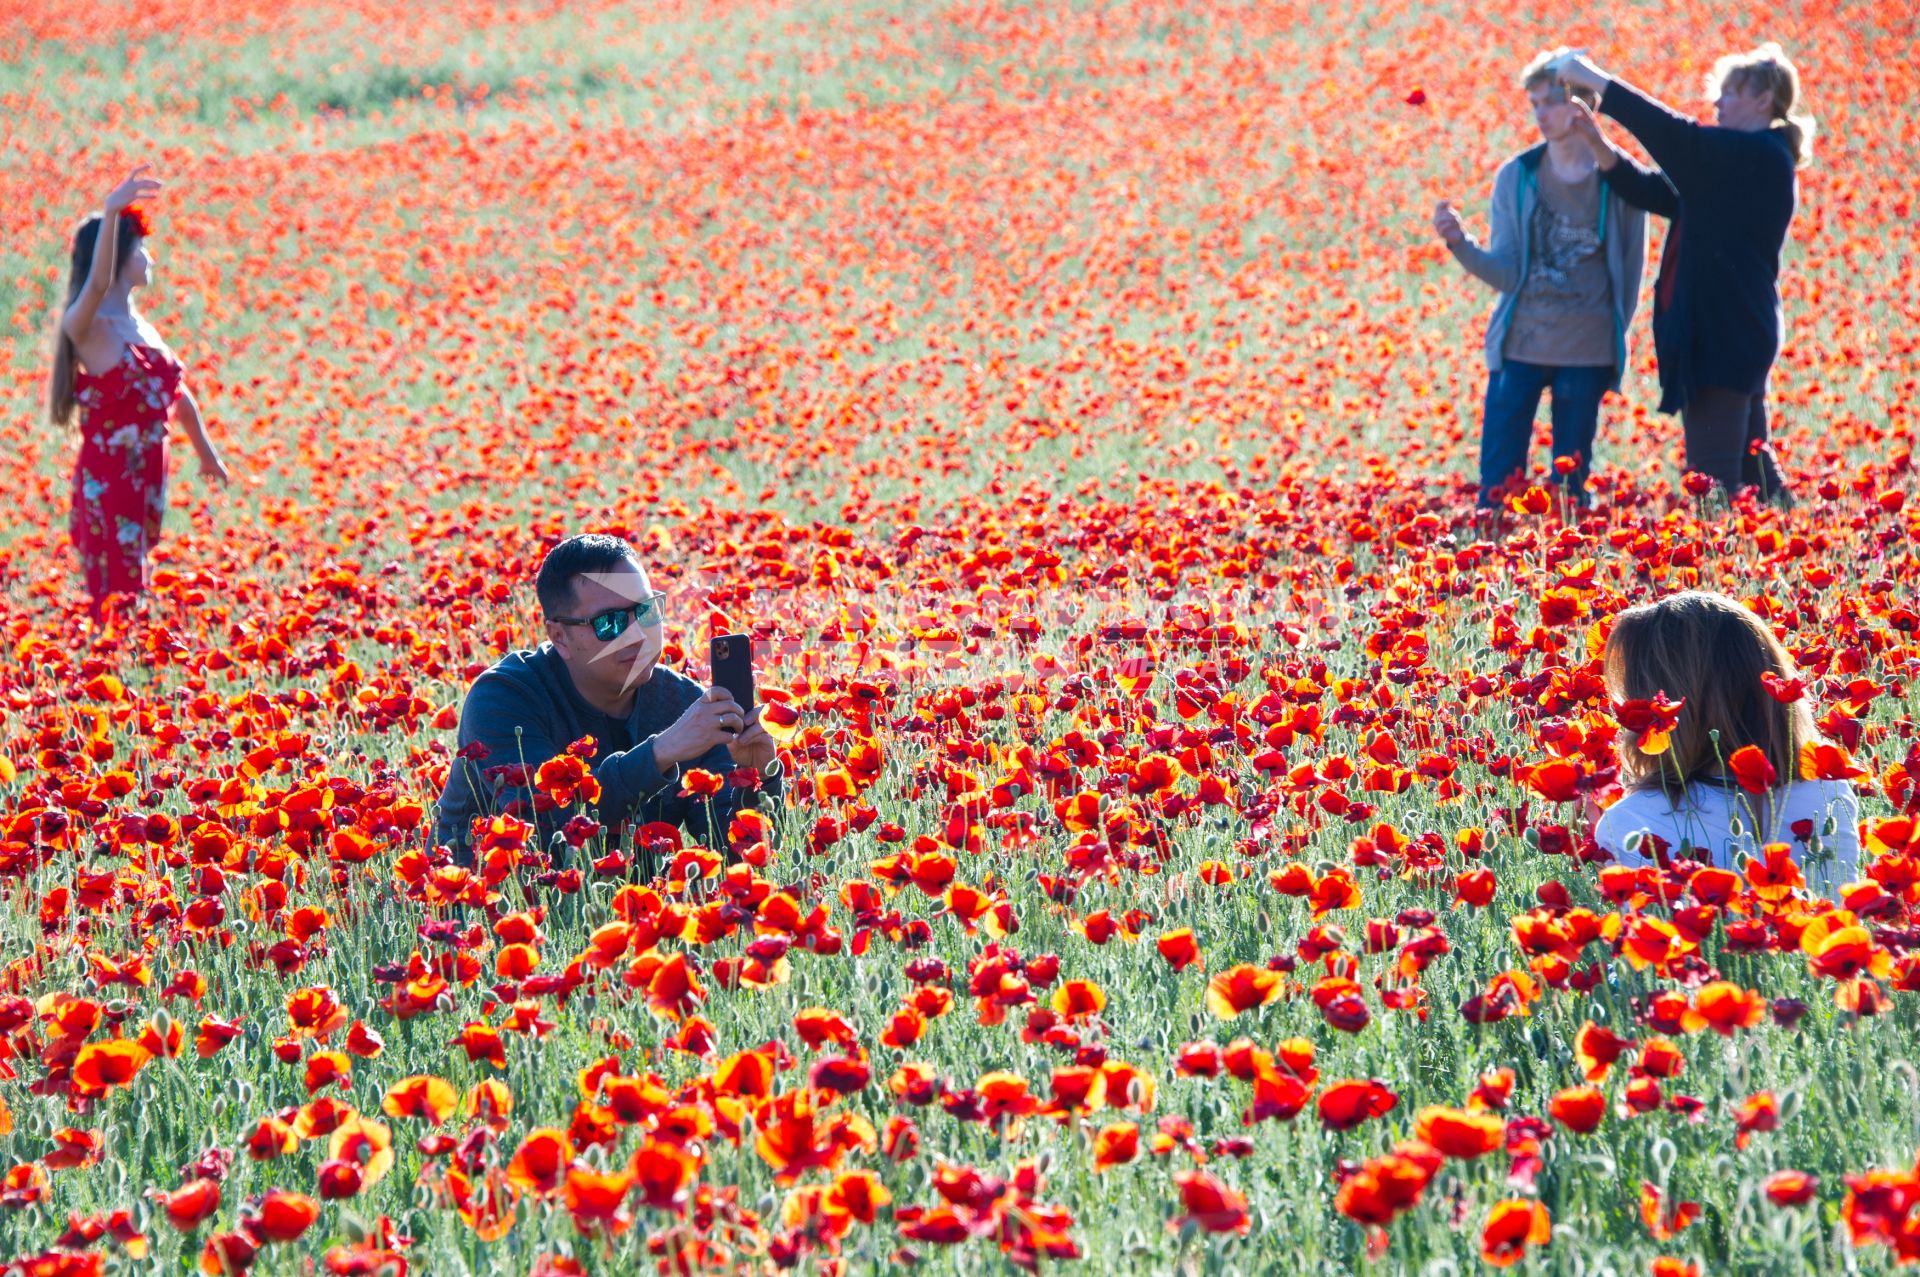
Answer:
(597, 675)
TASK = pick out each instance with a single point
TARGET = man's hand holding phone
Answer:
(715, 719)
(753, 747)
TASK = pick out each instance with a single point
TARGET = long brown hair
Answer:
(1711, 650)
(60, 384)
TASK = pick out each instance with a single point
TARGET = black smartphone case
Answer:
(733, 667)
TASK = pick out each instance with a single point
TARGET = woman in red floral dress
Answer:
(111, 364)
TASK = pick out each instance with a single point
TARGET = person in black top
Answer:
(597, 675)
(1730, 192)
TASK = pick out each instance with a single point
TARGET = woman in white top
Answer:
(1712, 651)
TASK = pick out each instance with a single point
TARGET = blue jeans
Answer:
(1506, 428)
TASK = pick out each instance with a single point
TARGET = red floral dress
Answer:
(120, 480)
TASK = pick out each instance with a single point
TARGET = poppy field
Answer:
(1185, 864)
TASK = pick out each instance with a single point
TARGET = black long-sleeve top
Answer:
(526, 710)
(1730, 195)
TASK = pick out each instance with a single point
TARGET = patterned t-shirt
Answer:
(1563, 317)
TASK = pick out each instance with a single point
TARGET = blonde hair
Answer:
(1536, 72)
(1712, 650)
(1768, 70)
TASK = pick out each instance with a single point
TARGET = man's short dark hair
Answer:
(588, 552)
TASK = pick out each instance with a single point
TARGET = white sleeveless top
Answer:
(1704, 817)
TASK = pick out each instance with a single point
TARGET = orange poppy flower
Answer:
(488, 1101)
(1384, 1187)
(315, 1011)
(1823, 760)
(672, 990)
(424, 1096)
(482, 1042)
(487, 1207)
(663, 1173)
(365, 1143)
(73, 1148)
(817, 1026)
(1659, 1057)
(1512, 1226)
(596, 1200)
(796, 1137)
(214, 1033)
(24, 1185)
(1241, 988)
(271, 1137)
(698, 783)
(101, 1066)
(1758, 1112)
(328, 1068)
(1665, 1222)
(1078, 1000)
(1458, 1132)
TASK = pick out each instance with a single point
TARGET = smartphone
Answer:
(733, 667)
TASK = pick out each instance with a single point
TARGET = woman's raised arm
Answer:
(106, 252)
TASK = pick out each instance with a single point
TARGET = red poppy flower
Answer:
(539, 1165)
(1115, 1145)
(1579, 1108)
(190, 1205)
(1752, 769)
(1345, 1105)
(283, 1215)
(1790, 1188)
(1211, 1204)
(1180, 949)
(1596, 1048)
(699, 783)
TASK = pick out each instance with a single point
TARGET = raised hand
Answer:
(1446, 223)
(1579, 71)
(137, 187)
(1585, 125)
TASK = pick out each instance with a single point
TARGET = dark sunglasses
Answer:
(608, 626)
